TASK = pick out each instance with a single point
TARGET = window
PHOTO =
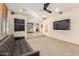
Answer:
(3, 25)
(0, 26)
(19, 25)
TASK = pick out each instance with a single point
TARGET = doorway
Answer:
(29, 27)
(37, 27)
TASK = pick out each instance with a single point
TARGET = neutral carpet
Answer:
(52, 47)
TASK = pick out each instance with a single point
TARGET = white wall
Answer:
(11, 25)
(71, 35)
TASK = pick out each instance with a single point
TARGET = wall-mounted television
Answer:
(62, 24)
(19, 25)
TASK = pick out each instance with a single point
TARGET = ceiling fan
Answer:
(45, 7)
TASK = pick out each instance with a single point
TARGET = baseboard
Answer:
(63, 40)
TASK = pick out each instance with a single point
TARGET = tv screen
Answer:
(19, 25)
(62, 25)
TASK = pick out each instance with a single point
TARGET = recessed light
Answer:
(57, 9)
(20, 10)
(43, 16)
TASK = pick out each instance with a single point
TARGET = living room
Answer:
(51, 29)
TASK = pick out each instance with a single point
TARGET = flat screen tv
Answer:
(19, 25)
(62, 25)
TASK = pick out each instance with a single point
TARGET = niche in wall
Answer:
(19, 25)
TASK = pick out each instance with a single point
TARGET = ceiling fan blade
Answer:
(49, 11)
(46, 5)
